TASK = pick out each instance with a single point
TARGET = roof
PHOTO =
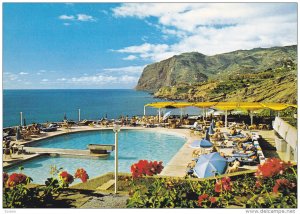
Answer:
(224, 105)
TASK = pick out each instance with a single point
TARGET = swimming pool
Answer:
(134, 145)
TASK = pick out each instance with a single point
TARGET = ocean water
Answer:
(133, 146)
(50, 105)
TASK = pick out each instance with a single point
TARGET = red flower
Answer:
(15, 179)
(81, 174)
(258, 184)
(272, 167)
(218, 187)
(224, 184)
(66, 177)
(281, 183)
(201, 198)
(212, 200)
(144, 167)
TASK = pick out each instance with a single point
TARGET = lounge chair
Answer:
(85, 122)
(243, 154)
(50, 128)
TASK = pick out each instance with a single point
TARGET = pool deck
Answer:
(176, 167)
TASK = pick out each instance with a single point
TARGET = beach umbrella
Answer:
(213, 123)
(210, 165)
(24, 122)
(207, 137)
(211, 130)
(18, 133)
(203, 143)
(166, 115)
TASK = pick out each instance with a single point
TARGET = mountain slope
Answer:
(193, 68)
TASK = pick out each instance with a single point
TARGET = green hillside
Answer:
(261, 74)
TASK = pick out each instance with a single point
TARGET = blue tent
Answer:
(211, 130)
(210, 165)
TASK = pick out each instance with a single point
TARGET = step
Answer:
(106, 185)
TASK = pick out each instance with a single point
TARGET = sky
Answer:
(107, 45)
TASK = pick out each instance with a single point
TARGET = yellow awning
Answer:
(226, 105)
(181, 104)
(205, 104)
(250, 106)
(223, 105)
(276, 106)
(159, 104)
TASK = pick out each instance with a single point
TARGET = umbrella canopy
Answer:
(201, 143)
(213, 123)
(211, 130)
(18, 134)
(210, 165)
(166, 115)
(207, 135)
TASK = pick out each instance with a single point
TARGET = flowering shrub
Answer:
(274, 185)
(17, 194)
(223, 185)
(282, 183)
(206, 201)
(272, 167)
(15, 179)
(81, 174)
(66, 178)
(144, 167)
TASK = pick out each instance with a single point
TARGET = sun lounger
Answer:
(50, 128)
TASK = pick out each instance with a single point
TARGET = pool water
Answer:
(133, 146)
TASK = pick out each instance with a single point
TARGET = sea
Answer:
(40, 106)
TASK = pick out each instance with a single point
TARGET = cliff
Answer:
(196, 68)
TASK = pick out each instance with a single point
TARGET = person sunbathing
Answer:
(233, 132)
(247, 138)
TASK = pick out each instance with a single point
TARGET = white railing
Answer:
(286, 138)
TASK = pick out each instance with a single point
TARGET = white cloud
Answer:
(212, 28)
(66, 17)
(23, 73)
(61, 79)
(45, 80)
(130, 57)
(9, 76)
(129, 69)
(78, 17)
(85, 18)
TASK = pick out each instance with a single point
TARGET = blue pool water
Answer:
(133, 146)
